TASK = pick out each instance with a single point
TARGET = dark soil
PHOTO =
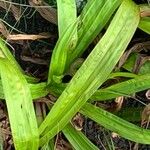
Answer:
(42, 49)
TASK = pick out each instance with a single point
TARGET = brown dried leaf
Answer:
(39, 112)
(37, 2)
(77, 122)
(136, 146)
(145, 115)
(119, 102)
(47, 12)
(16, 37)
(148, 94)
(13, 9)
(145, 14)
(3, 29)
(145, 11)
(116, 105)
(61, 144)
(35, 60)
(5, 131)
(114, 135)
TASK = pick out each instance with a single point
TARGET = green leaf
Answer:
(49, 146)
(130, 62)
(145, 68)
(78, 139)
(67, 15)
(94, 71)
(31, 79)
(37, 90)
(59, 56)
(125, 88)
(91, 21)
(67, 18)
(145, 24)
(20, 107)
(116, 124)
(122, 74)
(139, 83)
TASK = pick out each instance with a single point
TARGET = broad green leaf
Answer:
(78, 140)
(139, 83)
(67, 18)
(37, 90)
(94, 71)
(67, 15)
(57, 89)
(122, 74)
(93, 18)
(91, 21)
(116, 124)
(31, 79)
(59, 56)
(145, 24)
(49, 146)
(125, 88)
(20, 107)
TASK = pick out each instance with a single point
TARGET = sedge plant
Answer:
(75, 34)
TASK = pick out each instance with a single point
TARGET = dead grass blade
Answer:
(13, 9)
(47, 13)
(16, 37)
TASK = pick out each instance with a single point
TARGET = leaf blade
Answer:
(89, 25)
(125, 88)
(78, 139)
(20, 107)
(116, 124)
(145, 24)
(37, 90)
(67, 15)
(88, 78)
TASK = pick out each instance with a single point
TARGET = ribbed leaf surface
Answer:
(94, 71)
(20, 107)
(116, 124)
